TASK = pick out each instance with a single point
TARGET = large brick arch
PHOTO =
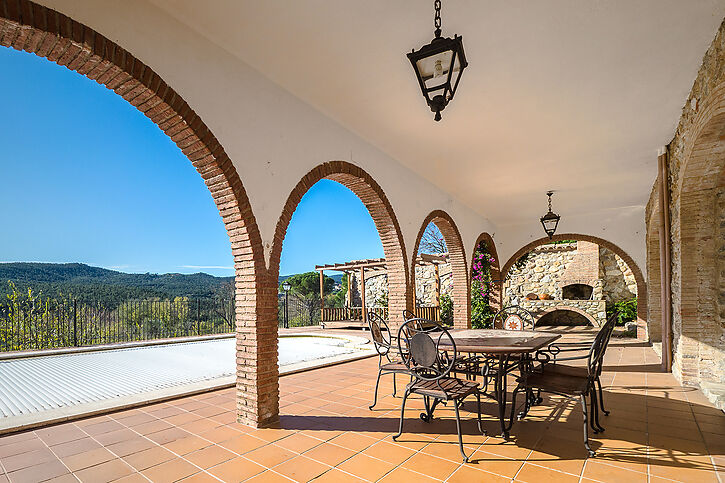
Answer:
(699, 332)
(33, 28)
(381, 211)
(457, 254)
(638, 277)
(495, 297)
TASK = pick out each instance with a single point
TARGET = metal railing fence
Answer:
(54, 324)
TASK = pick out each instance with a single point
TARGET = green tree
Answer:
(306, 286)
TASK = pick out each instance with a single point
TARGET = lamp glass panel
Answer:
(456, 75)
(433, 70)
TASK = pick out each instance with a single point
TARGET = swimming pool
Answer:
(55, 387)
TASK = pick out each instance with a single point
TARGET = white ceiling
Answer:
(573, 95)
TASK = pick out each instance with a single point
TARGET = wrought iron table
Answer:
(510, 347)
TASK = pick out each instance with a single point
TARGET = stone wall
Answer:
(595, 309)
(541, 273)
(619, 282)
(695, 179)
(549, 267)
(376, 286)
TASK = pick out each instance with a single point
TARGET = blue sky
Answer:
(84, 177)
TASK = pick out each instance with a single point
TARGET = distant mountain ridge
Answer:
(94, 283)
(86, 282)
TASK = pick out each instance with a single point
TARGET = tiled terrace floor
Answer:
(658, 431)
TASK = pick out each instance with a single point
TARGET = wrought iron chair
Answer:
(571, 385)
(390, 360)
(553, 355)
(431, 356)
(514, 317)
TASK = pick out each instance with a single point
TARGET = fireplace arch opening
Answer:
(563, 317)
(577, 291)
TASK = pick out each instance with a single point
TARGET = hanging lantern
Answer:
(550, 220)
(438, 66)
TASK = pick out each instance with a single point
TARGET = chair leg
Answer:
(601, 397)
(593, 412)
(583, 398)
(458, 427)
(478, 401)
(375, 398)
(596, 413)
(395, 390)
(402, 414)
(513, 407)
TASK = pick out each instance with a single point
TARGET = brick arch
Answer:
(638, 277)
(36, 29)
(579, 311)
(382, 213)
(698, 334)
(457, 254)
(495, 296)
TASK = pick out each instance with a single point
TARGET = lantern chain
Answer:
(437, 19)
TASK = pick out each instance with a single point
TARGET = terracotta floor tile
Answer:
(149, 457)
(431, 465)
(116, 436)
(168, 435)
(469, 474)
(392, 453)
(235, 470)
(301, 468)
(60, 434)
(220, 433)
(131, 446)
(41, 472)
(599, 471)
(74, 447)
(329, 453)
(538, 474)
(492, 463)
(102, 427)
(108, 471)
(169, 471)
(66, 478)
(210, 456)
(187, 445)
(151, 427)
(24, 446)
(132, 478)
(298, 442)
(270, 455)
(243, 444)
(404, 475)
(200, 477)
(30, 458)
(366, 467)
(87, 459)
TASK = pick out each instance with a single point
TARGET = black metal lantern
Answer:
(550, 220)
(439, 66)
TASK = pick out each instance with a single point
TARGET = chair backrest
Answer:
(514, 317)
(408, 314)
(599, 347)
(430, 348)
(380, 332)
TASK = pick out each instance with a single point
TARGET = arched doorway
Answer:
(456, 252)
(641, 286)
(485, 282)
(381, 211)
(49, 34)
(698, 312)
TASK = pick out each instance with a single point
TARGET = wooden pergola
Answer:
(360, 266)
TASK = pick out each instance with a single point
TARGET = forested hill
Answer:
(82, 281)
